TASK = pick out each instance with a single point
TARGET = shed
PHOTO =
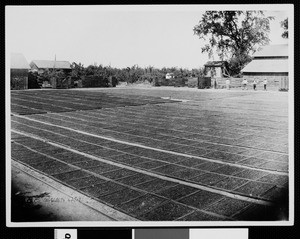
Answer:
(271, 63)
(216, 69)
(170, 76)
(19, 68)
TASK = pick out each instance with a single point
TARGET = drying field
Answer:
(209, 155)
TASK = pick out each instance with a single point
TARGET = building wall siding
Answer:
(221, 82)
(274, 80)
(263, 74)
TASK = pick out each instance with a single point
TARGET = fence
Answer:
(176, 82)
(94, 81)
(204, 82)
(192, 82)
(221, 82)
(275, 82)
(284, 83)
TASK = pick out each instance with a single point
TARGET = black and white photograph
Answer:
(149, 115)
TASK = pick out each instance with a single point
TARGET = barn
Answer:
(19, 68)
(40, 66)
(270, 63)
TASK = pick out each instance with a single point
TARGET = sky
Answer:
(120, 36)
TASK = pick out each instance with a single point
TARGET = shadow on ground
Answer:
(23, 208)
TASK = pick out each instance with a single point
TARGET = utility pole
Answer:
(54, 61)
(54, 78)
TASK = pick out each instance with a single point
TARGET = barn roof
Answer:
(18, 61)
(273, 51)
(267, 65)
(45, 64)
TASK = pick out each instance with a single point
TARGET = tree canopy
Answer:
(131, 74)
(284, 24)
(233, 35)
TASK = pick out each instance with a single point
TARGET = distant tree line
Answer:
(106, 76)
(132, 74)
(233, 35)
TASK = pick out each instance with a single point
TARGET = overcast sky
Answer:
(117, 35)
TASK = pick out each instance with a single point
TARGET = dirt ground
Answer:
(159, 153)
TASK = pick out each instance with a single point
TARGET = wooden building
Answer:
(216, 69)
(40, 66)
(19, 68)
(170, 76)
(271, 63)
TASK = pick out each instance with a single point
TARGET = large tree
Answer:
(285, 25)
(233, 35)
(78, 70)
